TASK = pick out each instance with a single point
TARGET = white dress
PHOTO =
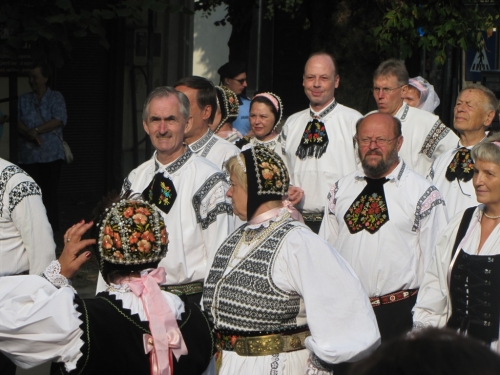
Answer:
(26, 240)
(317, 176)
(433, 302)
(395, 257)
(333, 304)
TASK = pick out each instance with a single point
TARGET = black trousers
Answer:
(395, 319)
(47, 176)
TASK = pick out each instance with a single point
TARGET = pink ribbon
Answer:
(166, 337)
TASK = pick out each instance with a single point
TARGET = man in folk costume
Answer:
(426, 137)
(203, 105)
(188, 189)
(317, 142)
(452, 171)
(384, 219)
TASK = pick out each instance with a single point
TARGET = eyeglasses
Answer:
(385, 90)
(380, 142)
(241, 81)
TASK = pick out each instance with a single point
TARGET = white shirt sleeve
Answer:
(432, 304)
(340, 317)
(30, 219)
(38, 322)
(434, 219)
(329, 229)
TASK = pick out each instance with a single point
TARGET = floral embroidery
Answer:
(461, 167)
(368, 212)
(272, 176)
(161, 192)
(165, 194)
(314, 132)
(132, 232)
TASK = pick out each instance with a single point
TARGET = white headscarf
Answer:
(428, 97)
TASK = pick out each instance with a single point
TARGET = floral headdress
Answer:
(267, 177)
(228, 103)
(131, 233)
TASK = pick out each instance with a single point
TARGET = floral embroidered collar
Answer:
(397, 174)
(200, 143)
(176, 164)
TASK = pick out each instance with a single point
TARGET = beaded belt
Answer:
(312, 217)
(393, 297)
(252, 346)
(184, 289)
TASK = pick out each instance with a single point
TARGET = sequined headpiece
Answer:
(132, 234)
(267, 177)
(228, 104)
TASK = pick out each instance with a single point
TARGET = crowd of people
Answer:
(332, 243)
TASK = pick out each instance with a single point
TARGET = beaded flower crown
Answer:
(132, 232)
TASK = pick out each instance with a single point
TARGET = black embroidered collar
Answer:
(405, 111)
(200, 143)
(324, 112)
(176, 164)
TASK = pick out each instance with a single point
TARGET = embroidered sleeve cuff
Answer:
(316, 366)
(53, 274)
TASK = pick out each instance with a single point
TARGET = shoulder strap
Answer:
(462, 229)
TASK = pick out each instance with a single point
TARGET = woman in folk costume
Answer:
(132, 328)
(281, 299)
(266, 112)
(461, 288)
(227, 112)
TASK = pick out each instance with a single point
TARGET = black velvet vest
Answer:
(474, 290)
(113, 340)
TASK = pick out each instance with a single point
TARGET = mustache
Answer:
(167, 134)
(373, 152)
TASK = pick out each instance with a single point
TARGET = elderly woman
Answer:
(421, 94)
(281, 299)
(132, 328)
(266, 112)
(461, 289)
(226, 114)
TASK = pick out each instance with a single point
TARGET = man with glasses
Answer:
(426, 136)
(384, 219)
(317, 142)
(233, 75)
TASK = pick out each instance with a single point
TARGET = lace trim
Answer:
(265, 224)
(53, 274)
(318, 366)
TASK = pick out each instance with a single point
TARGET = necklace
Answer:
(491, 217)
(257, 237)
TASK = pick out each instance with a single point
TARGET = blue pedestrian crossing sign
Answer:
(480, 61)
